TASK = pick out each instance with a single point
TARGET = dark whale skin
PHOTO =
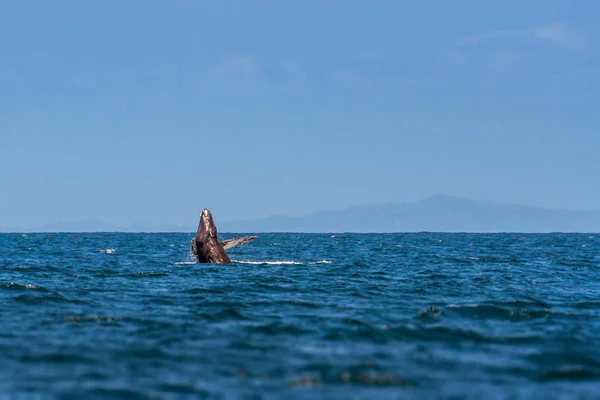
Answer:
(208, 248)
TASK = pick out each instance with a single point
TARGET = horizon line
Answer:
(315, 232)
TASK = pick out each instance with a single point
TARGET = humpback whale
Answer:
(206, 246)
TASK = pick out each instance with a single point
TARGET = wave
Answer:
(93, 318)
(108, 251)
(24, 286)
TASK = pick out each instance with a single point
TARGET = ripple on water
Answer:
(149, 274)
(221, 315)
(339, 315)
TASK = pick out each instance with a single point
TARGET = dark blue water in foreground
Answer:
(301, 316)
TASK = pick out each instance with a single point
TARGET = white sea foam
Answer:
(258, 262)
(268, 262)
(322, 262)
(108, 251)
(23, 285)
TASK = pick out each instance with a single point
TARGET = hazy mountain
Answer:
(84, 225)
(6, 229)
(99, 225)
(148, 227)
(433, 214)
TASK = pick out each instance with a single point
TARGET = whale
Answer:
(206, 246)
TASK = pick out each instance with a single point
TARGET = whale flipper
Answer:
(227, 243)
(231, 243)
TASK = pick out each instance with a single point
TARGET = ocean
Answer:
(301, 316)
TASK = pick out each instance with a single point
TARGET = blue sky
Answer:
(151, 110)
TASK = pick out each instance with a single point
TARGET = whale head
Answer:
(206, 223)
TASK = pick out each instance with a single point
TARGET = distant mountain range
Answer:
(433, 214)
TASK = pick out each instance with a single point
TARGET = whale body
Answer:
(206, 246)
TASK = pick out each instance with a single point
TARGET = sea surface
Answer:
(301, 316)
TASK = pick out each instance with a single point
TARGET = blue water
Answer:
(371, 316)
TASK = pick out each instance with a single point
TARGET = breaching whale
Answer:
(206, 246)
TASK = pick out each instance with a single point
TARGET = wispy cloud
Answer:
(237, 74)
(556, 34)
(236, 65)
(371, 55)
(351, 79)
(506, 49)
(248, 74)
